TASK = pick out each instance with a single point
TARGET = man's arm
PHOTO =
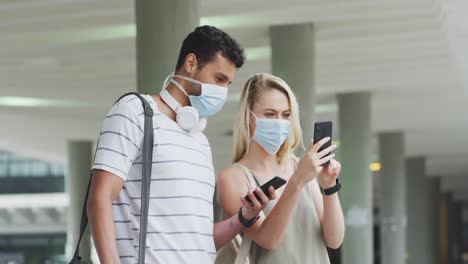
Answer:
(105, 187)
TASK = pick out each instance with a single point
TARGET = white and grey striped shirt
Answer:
(180, 224)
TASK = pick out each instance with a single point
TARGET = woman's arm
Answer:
(226, 230)
(329, 207)
(269, 231)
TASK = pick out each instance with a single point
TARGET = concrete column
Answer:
(161, 28)
(423, 209)
(79, 164)
(434, 194)
(356, 195)
(293, 60)
(455, 231)
(444, 228)
(393, 198)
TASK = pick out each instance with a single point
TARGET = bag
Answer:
(237, 251)
(145, 185)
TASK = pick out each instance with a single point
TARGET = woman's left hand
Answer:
(327, 177)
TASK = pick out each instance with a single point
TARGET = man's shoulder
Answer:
(129, 103)
(129, 106)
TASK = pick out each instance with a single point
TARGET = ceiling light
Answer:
(375, 166)
(13, 101)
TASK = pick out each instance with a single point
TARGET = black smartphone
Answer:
(323, 130)
(276, 182)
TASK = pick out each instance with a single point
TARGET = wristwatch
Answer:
(245, 222)
(333, 189)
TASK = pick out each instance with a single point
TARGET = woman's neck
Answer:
(257, 158)
(264, 165)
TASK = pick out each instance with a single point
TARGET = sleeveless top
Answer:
(302, 241)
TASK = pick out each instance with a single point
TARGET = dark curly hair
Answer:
(205, 42)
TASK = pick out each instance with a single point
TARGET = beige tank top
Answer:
(302, 242)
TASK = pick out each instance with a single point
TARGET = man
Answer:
(180, 222)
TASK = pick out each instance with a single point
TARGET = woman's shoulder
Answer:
(232, 171)
(231, 175)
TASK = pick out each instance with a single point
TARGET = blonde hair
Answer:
(250, 94)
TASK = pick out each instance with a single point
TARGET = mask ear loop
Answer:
(179, 86)
(250, 138)
(252, 113)
(166, 81)
(188, 79)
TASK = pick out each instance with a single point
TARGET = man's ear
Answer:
(191, 64)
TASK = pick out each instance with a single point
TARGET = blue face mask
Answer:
(271, 133)
(210, 101)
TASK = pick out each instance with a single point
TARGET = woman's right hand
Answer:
(311, 162)
(251, 210)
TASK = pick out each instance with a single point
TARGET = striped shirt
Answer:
(180, 224)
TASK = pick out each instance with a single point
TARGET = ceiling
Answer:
(78, 56)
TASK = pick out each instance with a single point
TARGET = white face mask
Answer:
(271, 133)
(210, 101)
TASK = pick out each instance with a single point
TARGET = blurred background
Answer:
(391, 74)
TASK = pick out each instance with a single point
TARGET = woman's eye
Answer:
(269, 114)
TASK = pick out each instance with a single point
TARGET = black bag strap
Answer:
(145, 184)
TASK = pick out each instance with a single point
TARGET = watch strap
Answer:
(333, 189)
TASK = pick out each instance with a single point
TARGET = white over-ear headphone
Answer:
(187, 117)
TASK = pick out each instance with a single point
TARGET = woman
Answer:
(302, 221)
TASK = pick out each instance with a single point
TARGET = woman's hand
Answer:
(327, 177)
(251, 210)
(310, 164)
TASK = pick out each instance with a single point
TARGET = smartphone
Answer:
(323, 130)
(276, 182)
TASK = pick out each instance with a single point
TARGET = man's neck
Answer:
(178, 95)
